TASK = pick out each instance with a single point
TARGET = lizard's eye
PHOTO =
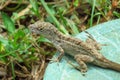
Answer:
(41, 28)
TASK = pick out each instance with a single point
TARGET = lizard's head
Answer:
(43, 28)
(39, 27)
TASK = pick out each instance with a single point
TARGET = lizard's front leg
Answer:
(59, 48)
(82, 59)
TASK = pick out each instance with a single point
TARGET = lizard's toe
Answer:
(54, 60)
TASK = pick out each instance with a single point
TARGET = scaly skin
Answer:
(83, 52)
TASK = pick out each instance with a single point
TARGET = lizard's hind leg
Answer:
(81, 60)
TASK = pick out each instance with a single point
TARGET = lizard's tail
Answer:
(105, 63)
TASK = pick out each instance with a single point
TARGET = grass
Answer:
(93, 9)
(21, 52)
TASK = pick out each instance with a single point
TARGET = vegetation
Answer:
(25, 56)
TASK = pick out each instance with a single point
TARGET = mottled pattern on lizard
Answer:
(83, 52)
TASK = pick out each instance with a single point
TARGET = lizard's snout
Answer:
(33, 29)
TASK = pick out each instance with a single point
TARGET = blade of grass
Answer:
(13, 71)
(93, 9)
(72, 26)
(115, 13)
(67, 4)
(98, 20)
(98, 14)
(102, 13)
(58, 25)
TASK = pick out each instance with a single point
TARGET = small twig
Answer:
(23, 68)
(23, 12)
(42, 69)
(16, 2)
(56, 2)
(4, 5)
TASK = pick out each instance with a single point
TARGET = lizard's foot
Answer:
(53, 60)
(58, 58)
(83, 70)
(82, 59)
(78, 68)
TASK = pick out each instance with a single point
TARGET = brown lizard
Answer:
(83, 52)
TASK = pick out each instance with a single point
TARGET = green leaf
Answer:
(115, 13)
(4, 41)
(9, 25)
(43, 39)
(76, 3)
(19, 34)
(34, 6)
(1, 47)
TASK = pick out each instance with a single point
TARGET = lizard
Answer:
(82, 51)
